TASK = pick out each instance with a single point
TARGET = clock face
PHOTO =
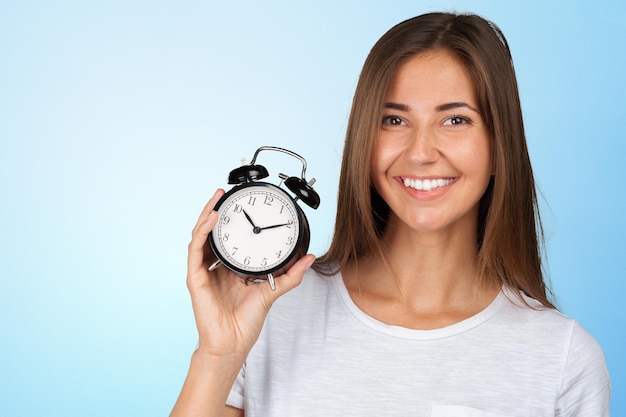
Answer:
(259, 229)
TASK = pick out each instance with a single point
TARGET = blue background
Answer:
(119, 119)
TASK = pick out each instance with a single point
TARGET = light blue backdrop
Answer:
(118, 119)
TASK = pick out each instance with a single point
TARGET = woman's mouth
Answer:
(427, 185)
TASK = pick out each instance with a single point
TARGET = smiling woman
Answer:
(481, 87)
(430, 300)
(432, 165)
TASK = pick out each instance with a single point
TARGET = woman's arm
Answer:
(206, 388)
(586, 385)
(229, 316)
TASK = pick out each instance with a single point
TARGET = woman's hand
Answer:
(229, 314)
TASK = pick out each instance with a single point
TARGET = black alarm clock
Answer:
(262, 231)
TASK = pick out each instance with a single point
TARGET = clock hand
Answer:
(255, 228)
(275, 226)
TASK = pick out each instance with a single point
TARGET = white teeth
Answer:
(426, 185)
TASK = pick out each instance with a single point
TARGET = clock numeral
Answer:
(235, 249)
(225, 219)
(268, 200)
(237, 208)
(225, 237)
(289, 241)
(264, 262)
(251, 200)
(289, 223)
(280, 252)
(246, 261)
(281, 209)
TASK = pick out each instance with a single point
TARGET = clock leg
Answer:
(270, 279)
(214, 265)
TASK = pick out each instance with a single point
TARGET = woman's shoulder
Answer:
(585, 381)
(549, 325)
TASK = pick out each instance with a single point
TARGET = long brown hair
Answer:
(509, 228)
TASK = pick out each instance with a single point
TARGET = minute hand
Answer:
(276, 225)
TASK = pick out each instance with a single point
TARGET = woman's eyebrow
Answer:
(454, 105)
(439, 108)
(397, 106)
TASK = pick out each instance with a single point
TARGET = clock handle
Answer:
(299, 186)
(283, 150)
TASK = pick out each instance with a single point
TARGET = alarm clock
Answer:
(261, 229)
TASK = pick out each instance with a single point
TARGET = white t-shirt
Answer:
(320, 355)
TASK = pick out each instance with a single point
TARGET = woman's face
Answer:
(432, 160)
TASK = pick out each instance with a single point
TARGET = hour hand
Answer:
(255, 229)
(249, 219)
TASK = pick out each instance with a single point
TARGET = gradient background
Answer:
(119, 119)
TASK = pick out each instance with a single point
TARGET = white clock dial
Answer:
(258, 229)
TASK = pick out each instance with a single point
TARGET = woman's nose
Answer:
(422, 147)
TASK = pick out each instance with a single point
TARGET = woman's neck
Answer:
(422, 280)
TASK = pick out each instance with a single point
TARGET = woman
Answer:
(431, 299)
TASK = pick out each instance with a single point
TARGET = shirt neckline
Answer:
(407, 333)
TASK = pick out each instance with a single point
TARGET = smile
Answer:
(427, 185)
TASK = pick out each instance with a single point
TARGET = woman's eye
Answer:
(456, 120)
(393, 121)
